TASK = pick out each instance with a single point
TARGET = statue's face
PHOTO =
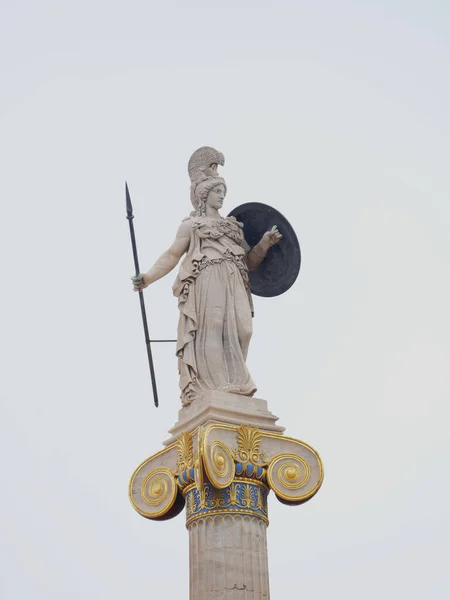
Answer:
(216, 197)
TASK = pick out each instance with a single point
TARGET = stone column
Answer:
(227, 541)
(223, 458)
(228, 558)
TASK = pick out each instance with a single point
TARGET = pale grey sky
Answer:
(337, 114)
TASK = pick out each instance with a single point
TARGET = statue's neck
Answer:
(213, 213)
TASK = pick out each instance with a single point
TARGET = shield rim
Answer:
(293, 236)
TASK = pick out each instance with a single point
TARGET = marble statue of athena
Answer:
(212, 286)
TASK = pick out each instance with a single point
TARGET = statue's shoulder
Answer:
(185, 227)
(234, 221)
(195, 221)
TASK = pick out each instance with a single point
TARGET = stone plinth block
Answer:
(222, 407)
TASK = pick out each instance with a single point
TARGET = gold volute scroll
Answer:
(293, 479)
(198, 461)
(219, 464)
(158, 494)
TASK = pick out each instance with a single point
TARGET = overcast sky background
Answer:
(337, 114)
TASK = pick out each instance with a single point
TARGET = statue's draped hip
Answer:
(215, 324)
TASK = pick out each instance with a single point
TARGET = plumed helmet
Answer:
(202, 159)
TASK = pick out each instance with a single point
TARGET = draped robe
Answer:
(214, 300)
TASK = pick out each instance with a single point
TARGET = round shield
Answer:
(280, 268)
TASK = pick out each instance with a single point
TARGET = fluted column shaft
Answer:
(227, 540)
(228, 558)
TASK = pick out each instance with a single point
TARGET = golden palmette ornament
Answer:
(185, 449)
(249, 446)
(233, 494)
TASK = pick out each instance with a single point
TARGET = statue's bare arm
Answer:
(257, 254)
(168, 260)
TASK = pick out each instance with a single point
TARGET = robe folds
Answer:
(214, 300)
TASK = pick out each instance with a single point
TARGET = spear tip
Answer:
(128, 203)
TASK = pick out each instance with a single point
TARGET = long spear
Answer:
(130, 218)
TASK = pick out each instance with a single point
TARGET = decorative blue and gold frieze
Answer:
(240, 497)
(225, 469)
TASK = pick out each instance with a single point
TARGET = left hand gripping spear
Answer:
(130, 218)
